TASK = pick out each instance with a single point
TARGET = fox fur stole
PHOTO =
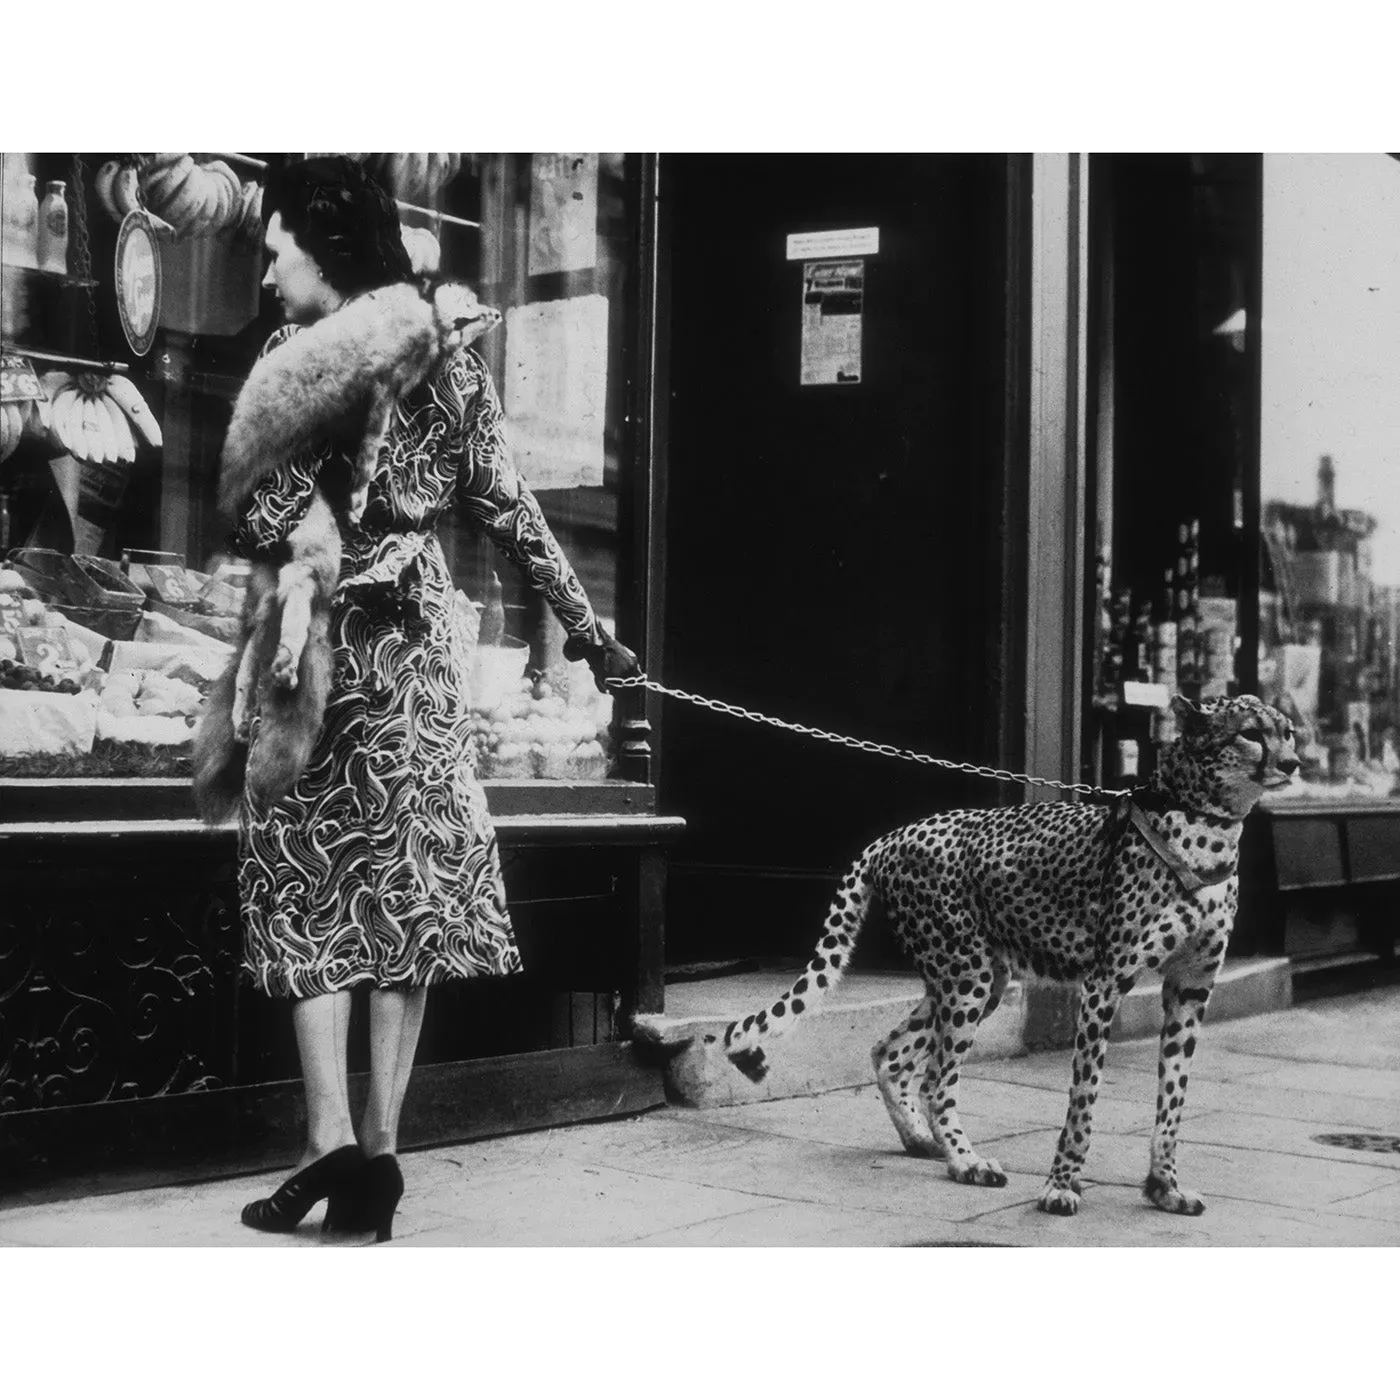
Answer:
(336, 381)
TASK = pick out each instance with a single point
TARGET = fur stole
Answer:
(335, 381)
(317, 384)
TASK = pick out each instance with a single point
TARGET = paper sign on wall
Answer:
(556, 389)
(833, 303)
(833, 243)
(563, 212)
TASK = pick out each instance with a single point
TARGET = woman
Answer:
(380, 869)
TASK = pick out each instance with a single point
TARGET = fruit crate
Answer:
(90, 591)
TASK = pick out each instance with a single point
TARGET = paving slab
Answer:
(1382, 1203)
(1288, 1136)
(1116, 1216)
(827, 1169)
(789, 1224)
(1361, 1029)
(572, 1204)
(1355, 1081)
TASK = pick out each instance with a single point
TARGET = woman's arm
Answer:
(278, 503)
(492, 493)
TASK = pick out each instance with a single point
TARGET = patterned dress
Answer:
(381, 866)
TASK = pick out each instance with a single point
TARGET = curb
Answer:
(833, 1052)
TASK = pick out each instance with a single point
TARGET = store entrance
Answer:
(833, 545)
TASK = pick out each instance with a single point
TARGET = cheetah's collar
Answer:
(1190, 880)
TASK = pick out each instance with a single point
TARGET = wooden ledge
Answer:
(517, 830)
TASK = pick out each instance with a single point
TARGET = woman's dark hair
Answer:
(343, 218)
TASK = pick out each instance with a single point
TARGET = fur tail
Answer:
(743, 1040)
(289, 722)
(219, 759)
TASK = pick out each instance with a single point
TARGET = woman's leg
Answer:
(322, 1027)
(395, 1019)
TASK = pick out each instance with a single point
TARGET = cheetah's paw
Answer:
(978, 1172)
(1172, 1199)
(925, 1147)
(1059, 1200)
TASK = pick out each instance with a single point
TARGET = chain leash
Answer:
(975, 770)
(82, 247)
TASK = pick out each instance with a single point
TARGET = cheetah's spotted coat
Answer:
(1068, 891)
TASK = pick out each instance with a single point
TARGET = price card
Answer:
(46, 648)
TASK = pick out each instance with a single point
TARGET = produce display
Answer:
(14, 676)
(197, 199)
(23, 407)
(15, 418)
(92, 416)
(549, 724)
(65, 689)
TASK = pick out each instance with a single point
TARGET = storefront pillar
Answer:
(1046, 609)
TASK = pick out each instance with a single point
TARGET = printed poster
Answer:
(833, 301)
(556, 390)
(563, 212)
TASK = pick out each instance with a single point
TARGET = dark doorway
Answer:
(833, 550)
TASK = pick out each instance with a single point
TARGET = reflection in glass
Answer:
(1330, 432)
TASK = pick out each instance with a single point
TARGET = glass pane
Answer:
(120, 551)
(1330, 422)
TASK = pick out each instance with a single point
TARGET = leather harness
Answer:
(1132, 807)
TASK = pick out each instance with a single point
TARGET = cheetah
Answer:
(1081, 893)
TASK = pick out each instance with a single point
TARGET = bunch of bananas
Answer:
(12, 420)
(20, 417)
(196, 200)
(91, 416)
(418, 177)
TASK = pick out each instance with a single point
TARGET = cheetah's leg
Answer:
(978, 989)
(900, 1061)
(1185, 992)
(1097, 1007)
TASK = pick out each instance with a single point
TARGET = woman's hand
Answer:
(608, 659)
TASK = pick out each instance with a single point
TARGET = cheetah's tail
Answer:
(743, 1040)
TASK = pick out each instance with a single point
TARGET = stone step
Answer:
(832, 1048)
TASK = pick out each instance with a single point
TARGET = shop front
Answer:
(988, 456)
(132, 312)
(1245, 526)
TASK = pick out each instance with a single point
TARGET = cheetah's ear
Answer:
(1189, 714)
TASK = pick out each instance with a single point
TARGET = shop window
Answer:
(1172, 241)
(1329, 601)
(123, 354)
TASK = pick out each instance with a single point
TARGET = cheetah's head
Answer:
(1230, 751)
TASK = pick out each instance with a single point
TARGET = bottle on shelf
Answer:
(1187, 608)
(1116, 652)
(20, 234)
(53, 229)
(1164, 639)
(1142, 666)
(1103, 626)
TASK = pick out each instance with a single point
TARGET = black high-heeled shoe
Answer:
(385, 1193)
(345, 1206)
(284, 1210)
(370, 1202)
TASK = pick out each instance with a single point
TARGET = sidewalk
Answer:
(826, 1169)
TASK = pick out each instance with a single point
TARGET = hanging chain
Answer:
(976, 770)
(82, 246)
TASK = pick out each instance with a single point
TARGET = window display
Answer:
(1329, 602)
(131, 308)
